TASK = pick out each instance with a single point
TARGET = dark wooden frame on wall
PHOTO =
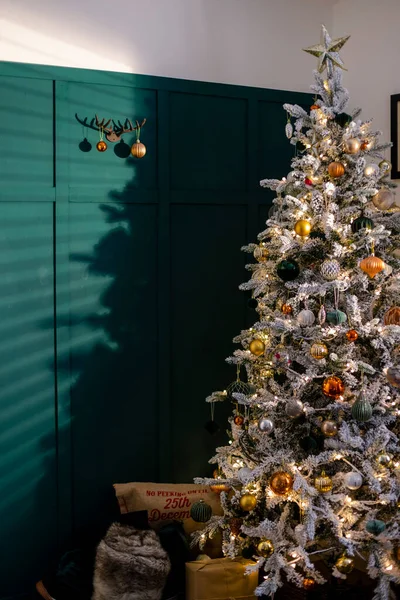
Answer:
(394, 134)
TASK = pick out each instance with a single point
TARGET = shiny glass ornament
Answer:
(361, 410)
(371, 170)
(329, 428)
(265, 548)
(384, 459)
(309, 583)
(384, 199)
(138, 150)
(257, 347)
(361, 224)
(367, 145)
(336, 170)
(238, 420)
(392, 316)
(201, 511)
(323, 483)
(287, 309)
(375, 526)
(385, 166)
(336, 317)
(352, 146)
(287, 270)
(393, 376)
(305, 318)
(302, 227)
(352, 335)
(372, 265)
(319, 350)
(244, 474)
(101, 146)
(281, 356)
(248, 502)
(344, 564)
(322, 315)
(353, 480)
(265, 425)
(294, 408)
(330, 269)
(281, 483)
(333, 387)
(261, 253)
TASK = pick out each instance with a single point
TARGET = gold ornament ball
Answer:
(238, 420)
(372, 265)
(336, 170)
(302, 227)
(319, 350)
(138, 149)
(257, 347)
(248, 502)
(329, 428)
(352, 335)
(101, 146)
(309, 583)
(345, 564)
(287, 309)
(384, 459)
(265, 548)
(323, 483)
(385, 166)
(383, 199)
(219, 487)
(392, 316)
(261, 253)
(333, 386)
(281, 483)
(352, 146)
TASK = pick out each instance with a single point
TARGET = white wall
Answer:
(249, 42)
(372, 55)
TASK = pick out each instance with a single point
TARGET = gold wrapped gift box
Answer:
(220, 579)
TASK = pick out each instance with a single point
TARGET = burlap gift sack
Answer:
(220, 579)
(166, 502)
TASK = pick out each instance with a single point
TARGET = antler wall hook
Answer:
(114, 132)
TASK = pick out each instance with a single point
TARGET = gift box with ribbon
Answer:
(220, 579)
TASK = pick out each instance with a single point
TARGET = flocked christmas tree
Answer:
(312, 469)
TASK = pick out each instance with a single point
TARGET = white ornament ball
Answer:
(244, 474)
(371, 170)
(330, 269)
(384, 199)
(203, 558)
(265, 425)
(305, 318)
(353, 480)
(294, 408)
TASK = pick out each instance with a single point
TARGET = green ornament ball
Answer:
(362, 223)
(201, 512)
(343, 119)
(336, 317)
(287, 270)
(375, 526)
(361, 410)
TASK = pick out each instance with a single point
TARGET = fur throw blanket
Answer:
(130, 565)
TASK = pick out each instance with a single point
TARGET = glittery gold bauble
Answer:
(336, 169)
(302, 227)
(384, 199)
(309, 583)
(345, 564)
(248, 502)
(286, 309)
(385, 166)
(319, 350)
(333, 386)
(281, 483)
(101, 146)
(352, 335)
(219, 487)
(261, 253)
(384, 459)
(323, 483)
(265, 548)
(372, 265)
(138, 149)
(352, 146)
(257, 347)
(392, 316)
(329, 428)
(238, 420)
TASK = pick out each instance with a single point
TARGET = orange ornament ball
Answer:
(392, 316)
(314, 107)
(101, 146)
(309, 583)
(238, 420)
(336, 169)
(333, 387)
(352, 335)
(281, 483)
(138, 149)
(372, 265)
(287, 309)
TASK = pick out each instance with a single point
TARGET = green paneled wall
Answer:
(119, 295)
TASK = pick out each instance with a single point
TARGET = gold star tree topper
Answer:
(327, 51)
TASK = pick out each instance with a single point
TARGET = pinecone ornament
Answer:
(317, 203)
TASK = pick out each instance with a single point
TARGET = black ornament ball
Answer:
(287, 270)
(308, 443)
(252, 303)
(248, 552)
(300, 147)
(280, 377)
(317, 235)
(343, 119)
(212, 427)
(361, 223)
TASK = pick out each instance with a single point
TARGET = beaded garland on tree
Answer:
(315, 464)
